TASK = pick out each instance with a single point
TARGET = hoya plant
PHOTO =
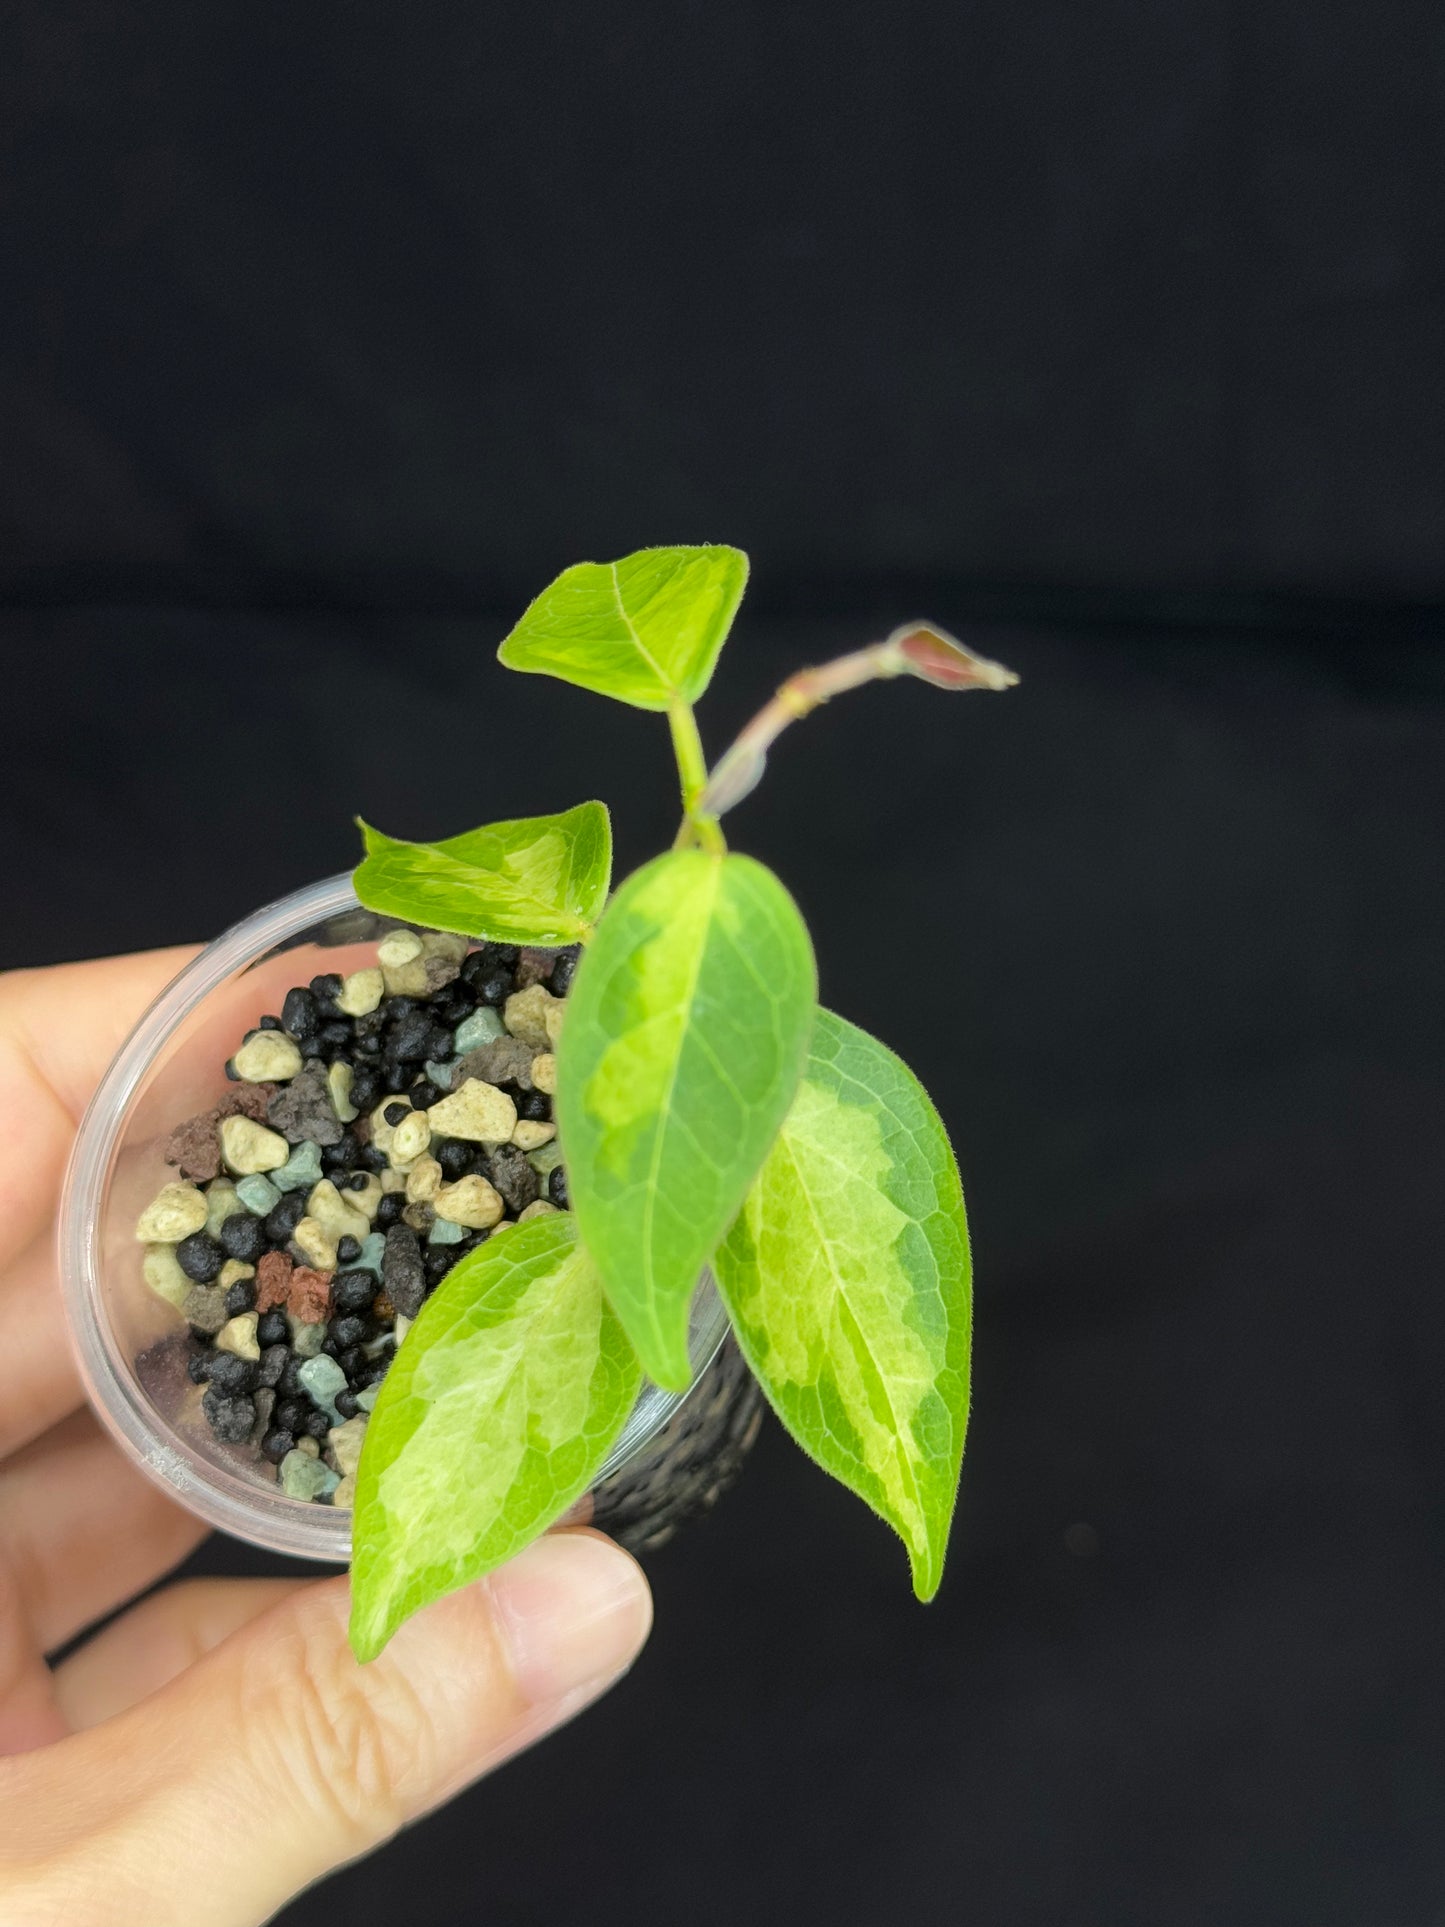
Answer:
(709, 1114)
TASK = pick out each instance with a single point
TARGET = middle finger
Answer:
(82, 1531)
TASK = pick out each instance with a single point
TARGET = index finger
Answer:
(59, 1028)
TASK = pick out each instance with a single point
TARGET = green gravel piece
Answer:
(367, 1400)
(480, 1028)
(546, 1158)
(258, 1194)
(301, 1170)
(306, 1340)
(323, 1379)
(440, 1074)
(303, 1477)
(444, 1232)
(372, 1248)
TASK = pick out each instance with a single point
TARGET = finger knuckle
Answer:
(350, 1744)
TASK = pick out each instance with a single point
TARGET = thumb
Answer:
(277, 1757)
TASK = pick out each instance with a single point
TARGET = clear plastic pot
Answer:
(677, 1452)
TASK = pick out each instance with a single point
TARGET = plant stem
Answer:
(697, 825)
(917, 649)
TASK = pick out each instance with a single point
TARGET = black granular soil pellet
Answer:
(289, 1385)
(243, 1237)
(230, 1374)
(401, 1270)
(240, 1297)
(325, 989)
(231, 1417)
(275, 1357)
(564, 969)
(200, 1257)
(454, 1156)
(299, 1015)
(282, 1219)
(353, 1291)
(557, 1186)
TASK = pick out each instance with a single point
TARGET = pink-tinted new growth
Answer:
(934, 655)
(916, 649)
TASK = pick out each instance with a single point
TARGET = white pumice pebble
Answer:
(222, 1202)
(361, 992)
(539, 1208)
(525, 1014)
(238, 1336)
(552, 1020)
(367, 1198)
(472, 1202)
(423, 1181)
(345, 1442)
(315, 1244)
(403, 964)
(544, 1073)
(164, 1276)
(333, 1211)
(448, 944)
(338, 1083)
(531, 1134)
(233, 1272)
(173, 1213)
(248, 1146)
(267, 1057)
(392, 1181)
(478, 1112)
(345, 1494)
(381, 1130)
(398, 947)
(409, 1140)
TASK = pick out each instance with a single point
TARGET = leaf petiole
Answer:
(698, 826)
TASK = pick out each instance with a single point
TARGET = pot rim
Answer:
(222, 1497)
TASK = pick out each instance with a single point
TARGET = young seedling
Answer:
(709, 1113)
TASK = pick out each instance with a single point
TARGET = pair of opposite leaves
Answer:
(710, 1111)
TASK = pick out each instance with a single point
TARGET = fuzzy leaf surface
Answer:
(496, 1415)
(537, 879)
(848, 1280)
(645, 630)
(686, 1031)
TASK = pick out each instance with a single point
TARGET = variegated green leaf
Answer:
(686, 1030)
(847, 1277)
(646, 630)
(497, 1414)
(535, 879)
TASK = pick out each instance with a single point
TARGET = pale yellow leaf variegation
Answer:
(848, 1280)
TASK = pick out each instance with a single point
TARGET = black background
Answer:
(1108, 335)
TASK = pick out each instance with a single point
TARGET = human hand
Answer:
(214, 1701)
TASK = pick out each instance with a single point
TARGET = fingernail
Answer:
(573, 1610)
